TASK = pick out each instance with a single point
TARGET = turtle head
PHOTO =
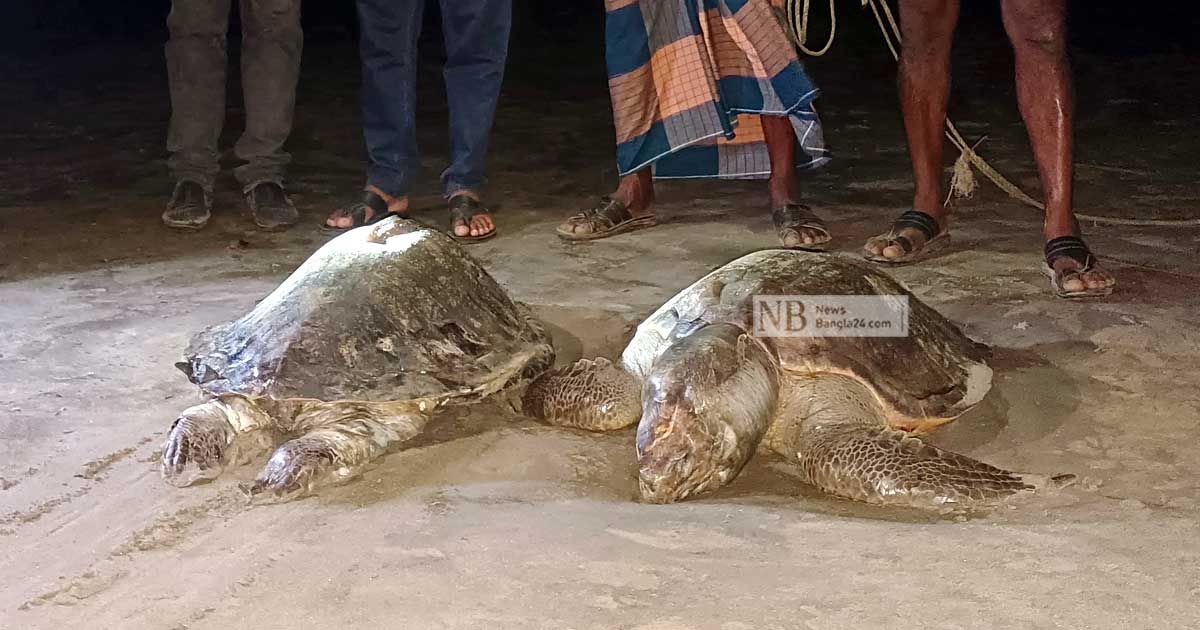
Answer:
(707, 403)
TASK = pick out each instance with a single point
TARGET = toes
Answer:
(461, 229)
(1073, 279)
(876, 246)
(1098, 279)
(814, 237)
(892, 251)
(481, 225)
(802, 237)
(1073, 282)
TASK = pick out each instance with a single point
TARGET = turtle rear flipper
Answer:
(834, 428)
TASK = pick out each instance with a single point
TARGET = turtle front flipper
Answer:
(205, 439)
(834, 428)
(591, 394)
(885, 466)
(337, 440)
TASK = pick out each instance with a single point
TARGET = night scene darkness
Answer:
(610, 315)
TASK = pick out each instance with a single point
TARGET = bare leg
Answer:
(927, 28)
(784, 187)
(636, 191)
(338, 439)
(205, 439)
(1037, 29)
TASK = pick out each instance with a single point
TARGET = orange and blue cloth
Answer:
(689, 80)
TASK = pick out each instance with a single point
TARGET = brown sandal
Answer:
(793, 217)
(610, 218)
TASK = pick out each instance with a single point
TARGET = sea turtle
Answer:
(352, 353)
(709, 391)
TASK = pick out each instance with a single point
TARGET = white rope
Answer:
(963, 183)
(967, 153)
(798, 20)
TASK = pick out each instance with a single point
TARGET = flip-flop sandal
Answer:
(464, 208)
(1074, 248)
(610, 218)
(936, 239)
(378, 206)
(792, 218)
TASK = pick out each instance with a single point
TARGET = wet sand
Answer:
(494, 521)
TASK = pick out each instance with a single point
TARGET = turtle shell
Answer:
(935, 371)
(389, 312)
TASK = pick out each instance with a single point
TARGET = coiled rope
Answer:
(962, 183)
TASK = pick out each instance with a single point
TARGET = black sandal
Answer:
(464, 208)
(610, 218)
(1074, 248)
(935, 239)
(190, 207)
(372, 202)
(793, 217)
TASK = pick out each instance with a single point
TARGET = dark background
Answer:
(84, 108)
(1116, 26)
(84, 111)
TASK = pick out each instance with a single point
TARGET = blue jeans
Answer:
(476, 35)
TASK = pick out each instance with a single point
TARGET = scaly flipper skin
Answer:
(889, 467)
(834, 428)
(337, 440)
(206, 438)
(591, 394)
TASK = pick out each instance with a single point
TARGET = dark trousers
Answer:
(272, 41)
(476, 35)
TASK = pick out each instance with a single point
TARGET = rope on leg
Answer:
(962, 184)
